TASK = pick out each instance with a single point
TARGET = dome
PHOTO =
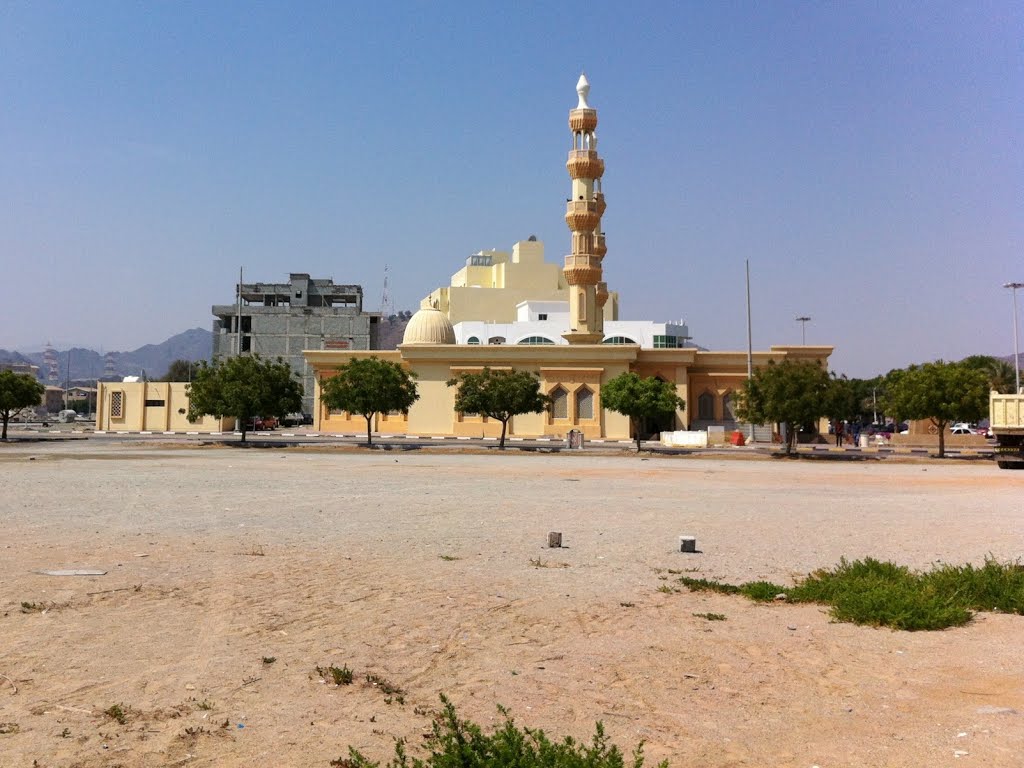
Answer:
(429, 326)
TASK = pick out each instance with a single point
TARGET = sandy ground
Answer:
(431, 571)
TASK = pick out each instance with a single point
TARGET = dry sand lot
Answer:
(431, 571)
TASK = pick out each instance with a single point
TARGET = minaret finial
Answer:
(583, 89)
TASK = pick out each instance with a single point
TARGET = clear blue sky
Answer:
(868, 159)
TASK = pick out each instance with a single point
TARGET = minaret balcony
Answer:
(582, 120)
(600, 248)
(588, 260)
(602, 294)
(582, 275)
(582, 215)
(585, 164)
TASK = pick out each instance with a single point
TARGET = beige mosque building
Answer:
(495, 287)
(574, 356)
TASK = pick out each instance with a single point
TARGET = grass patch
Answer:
(338, 675)
(391, 691)
(711, 616)
(117, 713)
(455, 742)
(449, 558)
(883, 594)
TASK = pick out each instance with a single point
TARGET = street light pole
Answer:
(1016, 350)
(803, 329)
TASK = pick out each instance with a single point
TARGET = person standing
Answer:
(839, 433)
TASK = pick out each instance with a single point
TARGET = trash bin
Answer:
(737, 438)
(863, 441)
(574, 439)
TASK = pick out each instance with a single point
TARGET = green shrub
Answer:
(884, 594)
(762, 591)
(456, 743)
(703, 585)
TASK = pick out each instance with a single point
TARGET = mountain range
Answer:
(150, 360)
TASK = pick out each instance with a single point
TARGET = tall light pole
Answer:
(803, 329)
(1016, 351)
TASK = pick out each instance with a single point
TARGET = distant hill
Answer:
(151, 360)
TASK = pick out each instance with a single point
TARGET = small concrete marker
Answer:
(687, 543)
(555, 539)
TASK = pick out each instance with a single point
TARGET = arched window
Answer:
(584, 404)
(559, 403)
(706, 407)
(729, 406)
(472, 340)
(496, 340)
(618, 340)
(536, 340)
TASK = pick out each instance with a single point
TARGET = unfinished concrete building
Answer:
(282, 319)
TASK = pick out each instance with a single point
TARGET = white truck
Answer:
(1006, 419)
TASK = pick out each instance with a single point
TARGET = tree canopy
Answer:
(499, 395)
(1000, 374)
(181, 370)
(640, 399)
(942, 392)
(796, 393)
(244, 387)
(17, 391)
(367, 386)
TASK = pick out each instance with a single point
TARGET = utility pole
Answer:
(803, 320)
(238, 317)
(1016, 351)
(750, 345)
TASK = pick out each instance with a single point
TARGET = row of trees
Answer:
(249, 386)
(799, 394)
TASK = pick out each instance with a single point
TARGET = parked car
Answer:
(296, 419)
(962, 429)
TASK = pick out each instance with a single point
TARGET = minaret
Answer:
(583, 211)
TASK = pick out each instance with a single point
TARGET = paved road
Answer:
(306, 436)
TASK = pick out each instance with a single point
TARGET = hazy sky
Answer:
(867, 158)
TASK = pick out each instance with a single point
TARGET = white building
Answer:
(546, 322)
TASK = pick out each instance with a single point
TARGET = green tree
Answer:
(640, 399)
(367, 386)
(1000, 374)
(244, 387)
(181, 370)
(844, 400)
(17, 391)
(790, 392)
(941, 392)
(499, 395)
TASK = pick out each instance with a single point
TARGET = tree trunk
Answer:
(504, 426)
(6, 417)
(369, 433)
(244, 425)
(942, 437)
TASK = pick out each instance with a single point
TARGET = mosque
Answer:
(516, 311)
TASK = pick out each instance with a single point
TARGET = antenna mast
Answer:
(386, 308)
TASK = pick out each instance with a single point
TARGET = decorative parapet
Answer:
(582, 120)
(582, 215)
(584, 164)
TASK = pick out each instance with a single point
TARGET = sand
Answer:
(233, 574)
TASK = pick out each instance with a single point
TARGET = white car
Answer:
(962, 429)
